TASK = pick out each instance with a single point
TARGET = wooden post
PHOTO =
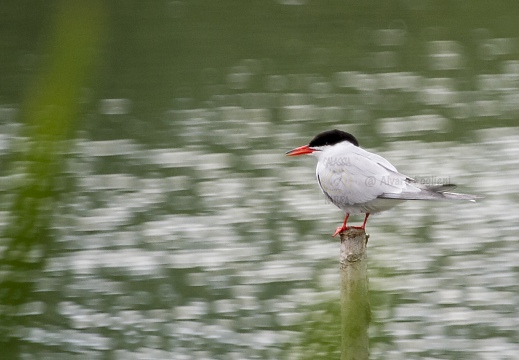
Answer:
(355, 310)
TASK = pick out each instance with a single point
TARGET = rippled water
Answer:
(185, 233)
(213, 258)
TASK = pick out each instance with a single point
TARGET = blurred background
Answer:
(148, 211)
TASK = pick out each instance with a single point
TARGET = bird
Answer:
(360, 182)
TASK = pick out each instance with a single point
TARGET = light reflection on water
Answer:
(200, 284)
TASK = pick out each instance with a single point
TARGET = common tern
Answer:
(360, 182)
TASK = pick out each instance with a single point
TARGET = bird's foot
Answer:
(358, 227)
(340, 229)
(343, 228)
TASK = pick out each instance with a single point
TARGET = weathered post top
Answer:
(353, 246)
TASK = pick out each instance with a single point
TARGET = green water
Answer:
(170, 225)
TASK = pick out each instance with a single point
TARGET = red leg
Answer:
(343, 227)
(365, 221)
(363, 227)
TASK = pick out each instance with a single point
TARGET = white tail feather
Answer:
(430, 195)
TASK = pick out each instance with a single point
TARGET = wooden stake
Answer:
(355, 309)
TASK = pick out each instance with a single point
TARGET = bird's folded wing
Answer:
(359, 177)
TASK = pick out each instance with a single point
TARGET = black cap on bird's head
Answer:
(326, 138)
(332, 137)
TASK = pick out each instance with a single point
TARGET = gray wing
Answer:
(359, 177)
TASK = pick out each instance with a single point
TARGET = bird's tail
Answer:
(459, 196)
(433, 192)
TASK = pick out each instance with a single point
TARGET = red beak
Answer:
(302, 150)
